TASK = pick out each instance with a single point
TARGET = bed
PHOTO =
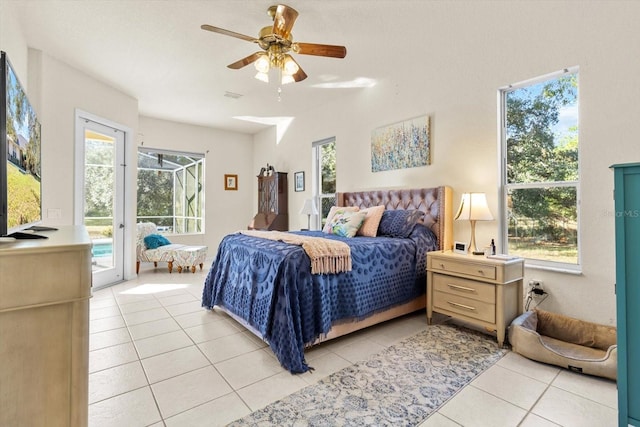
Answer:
(268, 286)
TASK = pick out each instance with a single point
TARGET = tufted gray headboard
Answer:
(435, 202)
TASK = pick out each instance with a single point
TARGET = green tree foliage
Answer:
(99, 183)
(535, 154)
(151, 201)
(328, 168)
(99, 179)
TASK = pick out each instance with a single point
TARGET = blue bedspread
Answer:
(269, 284)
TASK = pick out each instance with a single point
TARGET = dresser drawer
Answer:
(468, 268)
(465, 306)
(464, 288)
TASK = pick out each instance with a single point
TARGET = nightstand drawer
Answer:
(464, 288)
(469, 268)
(465, 306)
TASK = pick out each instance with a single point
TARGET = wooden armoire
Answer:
(272, 203)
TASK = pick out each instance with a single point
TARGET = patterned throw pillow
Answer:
(399, 223)
(333, 211)
(346, 224)
(154, 241)
(371, 222)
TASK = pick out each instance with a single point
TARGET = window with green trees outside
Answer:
(171, 190)
(540, 179)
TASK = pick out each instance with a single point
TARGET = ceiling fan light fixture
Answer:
(276, 41)
(289, 66)
(262, 64)
(286, 79)
(263, 77)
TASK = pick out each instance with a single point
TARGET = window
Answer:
(540, 181)
(171, 190)
(324, 190)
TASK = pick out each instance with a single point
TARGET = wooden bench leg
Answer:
(170, 264)
(179, 269)
(200, 266)
(137, 267)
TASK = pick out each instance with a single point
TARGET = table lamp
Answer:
(308, 209)
(473, 207)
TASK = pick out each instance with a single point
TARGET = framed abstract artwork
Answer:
(402, 145)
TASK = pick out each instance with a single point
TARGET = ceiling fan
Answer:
(277, 41)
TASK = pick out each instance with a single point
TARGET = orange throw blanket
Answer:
(327, 256)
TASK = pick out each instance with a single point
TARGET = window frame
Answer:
(318, 195)
(505, 187)
(182, 217)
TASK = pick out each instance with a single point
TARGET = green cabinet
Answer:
(627, 221)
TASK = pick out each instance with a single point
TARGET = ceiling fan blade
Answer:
(300, 75)
(245, 61)
(320, 49)
(227, 33)
(283, 19)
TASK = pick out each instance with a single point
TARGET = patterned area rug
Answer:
(401, 386)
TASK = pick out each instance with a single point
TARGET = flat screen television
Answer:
(20, 160)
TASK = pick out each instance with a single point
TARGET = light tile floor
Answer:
(157, 358)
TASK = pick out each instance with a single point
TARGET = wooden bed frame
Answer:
(435, 202)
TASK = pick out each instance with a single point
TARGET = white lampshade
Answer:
(473, 206)
(289, 66)
(262, 64)
(263, 77)
(309, 207)
(286, 79)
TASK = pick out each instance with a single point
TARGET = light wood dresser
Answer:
(45, 286)
(475, 289)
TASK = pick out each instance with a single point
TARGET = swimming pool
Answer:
(102, 248)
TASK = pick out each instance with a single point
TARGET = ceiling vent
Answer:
(232, 95)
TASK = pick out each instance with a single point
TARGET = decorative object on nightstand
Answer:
(478, 290)
(473, 207)
(308, 209)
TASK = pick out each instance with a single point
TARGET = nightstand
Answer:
(473, 288)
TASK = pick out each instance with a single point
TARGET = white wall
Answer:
(12, 42)
(61, 90)
(450, 67)
(225, 153)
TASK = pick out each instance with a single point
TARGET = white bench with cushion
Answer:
(164, 253)
(188, 257)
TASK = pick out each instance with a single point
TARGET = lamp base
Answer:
(478, 252)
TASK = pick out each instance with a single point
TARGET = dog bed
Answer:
(563, 341)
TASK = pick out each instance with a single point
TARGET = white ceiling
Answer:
(156, 52)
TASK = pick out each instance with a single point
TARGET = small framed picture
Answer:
(230, 182)
(460, 248)
(298, 179)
